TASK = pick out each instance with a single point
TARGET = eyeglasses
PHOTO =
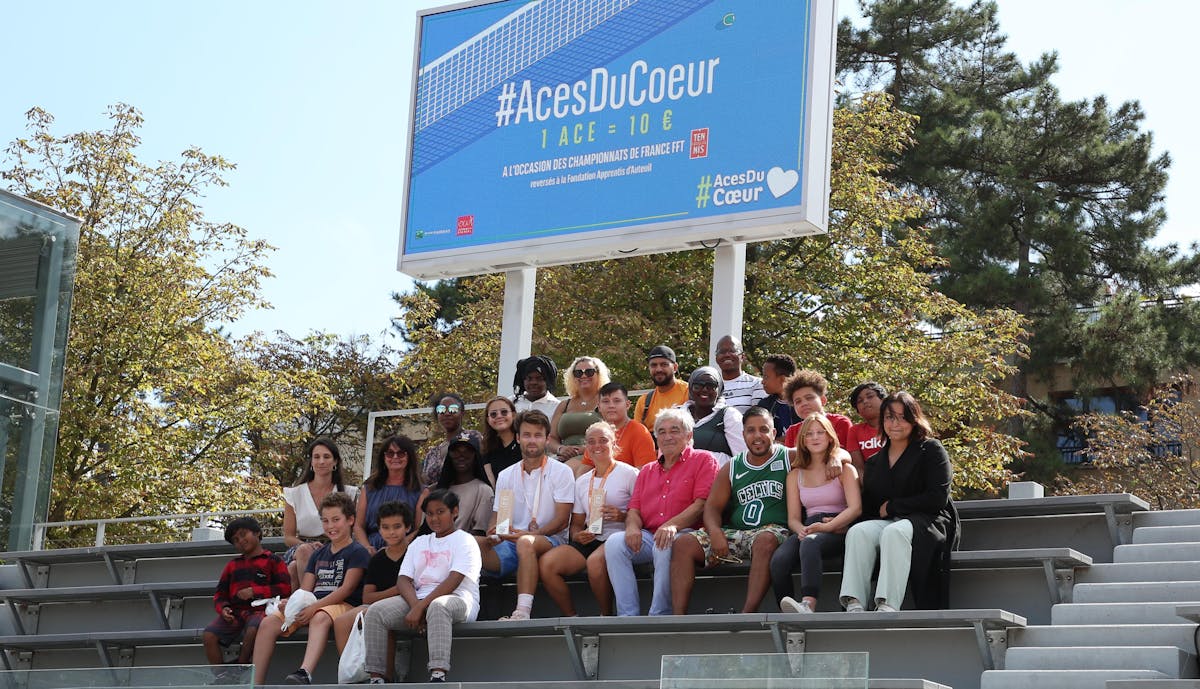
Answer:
(395, 453)
(705, 385)
(447, 409)
(497, 413)
(581, 372)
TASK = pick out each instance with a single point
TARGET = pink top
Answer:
(827, 499)
(659, 495)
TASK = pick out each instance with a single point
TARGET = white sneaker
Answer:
(884, 607)
(852, 605)
(517, 614)
(789, 604)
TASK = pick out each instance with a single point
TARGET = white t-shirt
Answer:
(547, 405)
(618, 488)
(430, 560)
(558, 486)
(744, 392)
(308, 515)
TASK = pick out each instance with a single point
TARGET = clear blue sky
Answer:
(311, 99)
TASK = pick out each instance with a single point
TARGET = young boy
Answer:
(806, 391)
(864, 437)
(776, 369)
(255, 573)
(635, 446)
(334, 576)
(395, 522)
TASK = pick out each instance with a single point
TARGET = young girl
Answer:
(463, 475)
(499, 447)
(438, 586)
(820, 510)
(334, 576)
(615, 481)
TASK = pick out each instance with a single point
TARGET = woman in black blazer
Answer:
(908, 519)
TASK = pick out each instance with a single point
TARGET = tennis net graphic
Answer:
(546, 41)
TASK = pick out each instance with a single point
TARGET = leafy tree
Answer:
(1040, 205)
(1155, 455)
(856, 304)
(157, 402)
(337, 381)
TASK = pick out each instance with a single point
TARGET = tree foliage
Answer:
(157, 401)
(856, 304)
(1137, 454)
(1040, 205)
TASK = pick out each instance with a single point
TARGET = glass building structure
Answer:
(38, 246)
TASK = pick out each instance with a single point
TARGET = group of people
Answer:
(725, 468)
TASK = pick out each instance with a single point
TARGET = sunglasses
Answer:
(497, 413)
(395, 453)
(447, 409)
(581, 372)
(705, 385)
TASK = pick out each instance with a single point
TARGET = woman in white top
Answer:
(614, 481)
(302, 529)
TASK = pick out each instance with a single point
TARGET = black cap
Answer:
(241, 523)
(465, 438)
(662, 351)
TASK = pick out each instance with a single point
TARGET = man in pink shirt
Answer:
(668, 498)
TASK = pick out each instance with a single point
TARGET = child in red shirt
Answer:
(254, 574)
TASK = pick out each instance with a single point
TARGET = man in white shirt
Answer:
(742, 390)
(542, 493)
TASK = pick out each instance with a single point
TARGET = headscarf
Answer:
(709, 370)
(541, 364)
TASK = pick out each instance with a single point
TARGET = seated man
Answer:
(542, 493)
(754, 480)
(668, 497)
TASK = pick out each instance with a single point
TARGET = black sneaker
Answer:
(300, 676)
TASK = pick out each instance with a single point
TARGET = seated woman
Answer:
(438, 586)
(448, 411)
(718, 426)
(613, 481)
(499, 447)
(906, 497)
(820, 510)
(302, 531)
(583, 380)
(463, 475)
(393, 479)
(533, 385)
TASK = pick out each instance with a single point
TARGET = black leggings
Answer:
(808, 552)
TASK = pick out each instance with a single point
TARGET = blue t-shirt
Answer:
(330, 569)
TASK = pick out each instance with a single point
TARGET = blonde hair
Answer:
(804, 458)
(572, 385)
(607, 429)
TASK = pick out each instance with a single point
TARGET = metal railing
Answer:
(201, 519)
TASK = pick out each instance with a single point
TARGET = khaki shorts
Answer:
(332, 610)
(740, 542)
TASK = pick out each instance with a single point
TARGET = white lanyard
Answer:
(537, 494)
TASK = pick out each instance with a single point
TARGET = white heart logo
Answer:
(781, 181)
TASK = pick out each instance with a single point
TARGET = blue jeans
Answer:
(620, 563)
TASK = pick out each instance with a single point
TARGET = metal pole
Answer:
(516, 337)
(729, 286)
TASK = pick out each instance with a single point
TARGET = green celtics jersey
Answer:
(758, 491)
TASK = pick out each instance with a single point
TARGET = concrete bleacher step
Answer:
(1172, 661)
(1138, 571)
(1137, 592)
(1115, 613)
(1059, 679)
(873, 683)
(1179, 635)
(1166, 518)
(1152, 684)
(1157, 552)
(1181, 533)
